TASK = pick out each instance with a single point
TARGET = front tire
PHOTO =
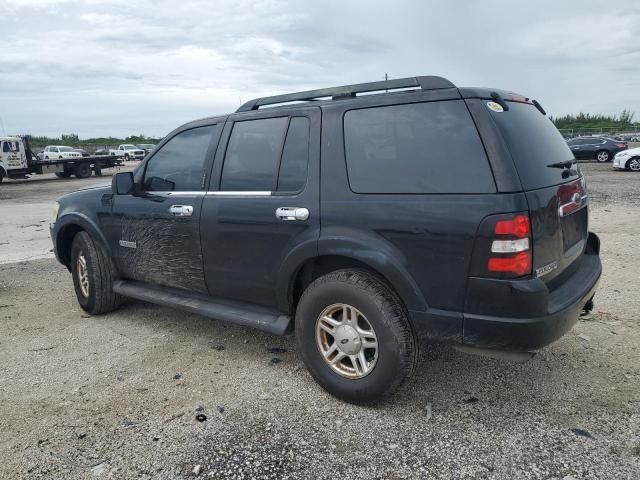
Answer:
(93, 275)
(64, 174)
(633, 165)
(354, 336)
(603, 156)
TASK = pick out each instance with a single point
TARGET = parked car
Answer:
(147, 147)
(82, 152)
(128, 152)
(627, 160)
(601, 148)
(56, 152)
(367, 223)
(101, 152)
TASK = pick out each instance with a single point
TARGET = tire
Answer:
(1, 176)
(64, 174)
(126, 157)
(603, 156)
(97, 297)
(375, 305)
(633, 164)
(82, 171)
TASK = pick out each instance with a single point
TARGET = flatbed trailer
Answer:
(17, 160)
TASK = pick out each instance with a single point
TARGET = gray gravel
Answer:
(117, 396)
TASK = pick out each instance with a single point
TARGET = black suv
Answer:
(365, 217)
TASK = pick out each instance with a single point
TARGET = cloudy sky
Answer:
(126, 67)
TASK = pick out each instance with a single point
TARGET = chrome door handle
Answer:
(292, 213)
(181, 210)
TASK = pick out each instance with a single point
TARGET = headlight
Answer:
(54, 212)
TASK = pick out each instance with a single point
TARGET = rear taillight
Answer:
(503, 247)
(621, 145)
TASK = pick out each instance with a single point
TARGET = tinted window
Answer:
(295, 156)
(253, 155)
(179, 164)
(5, 146)
(417, 148)
(534, 143)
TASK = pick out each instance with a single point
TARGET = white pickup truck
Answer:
(58, 152)
(128, 151)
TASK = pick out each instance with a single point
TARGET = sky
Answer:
(116, 67)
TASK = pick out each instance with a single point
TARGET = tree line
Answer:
(72, 140)
(621, 122)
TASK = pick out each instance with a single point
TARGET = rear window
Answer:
(415, 148)
(534, 143)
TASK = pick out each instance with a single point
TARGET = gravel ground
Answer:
(117, 396)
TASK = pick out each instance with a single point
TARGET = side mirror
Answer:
(122, 183)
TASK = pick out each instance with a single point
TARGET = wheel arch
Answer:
(388, 269)
(67, 227)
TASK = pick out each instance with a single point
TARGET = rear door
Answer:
(262, 205)
(553, 184)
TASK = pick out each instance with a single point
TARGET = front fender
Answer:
(71, 222)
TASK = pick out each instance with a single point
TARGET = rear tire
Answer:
(93, 275)
(603, 156)
(82, 171)
(633, 165)
(379, 316)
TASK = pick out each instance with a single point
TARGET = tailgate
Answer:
(559, 222)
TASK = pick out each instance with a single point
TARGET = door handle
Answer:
(292, 213)
(181, 210)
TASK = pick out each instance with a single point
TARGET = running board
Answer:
(239, 313)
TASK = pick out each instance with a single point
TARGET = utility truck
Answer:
(17, 161)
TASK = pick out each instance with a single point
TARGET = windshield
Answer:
(541, 155)
(66, 149)
(129, 147)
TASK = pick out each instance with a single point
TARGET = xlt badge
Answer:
(546, 269)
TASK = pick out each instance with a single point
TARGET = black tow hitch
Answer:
(587, 307)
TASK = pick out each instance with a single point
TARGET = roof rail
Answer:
(346, 91)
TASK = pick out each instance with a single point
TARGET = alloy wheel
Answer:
(347, 341)
(634, 164)
(83, 275)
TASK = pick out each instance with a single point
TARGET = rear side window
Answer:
(415, 148)
(268, 154)
(536, 146)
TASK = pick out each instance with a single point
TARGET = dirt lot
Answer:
(117, 396)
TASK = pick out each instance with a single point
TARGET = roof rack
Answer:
(348, 91)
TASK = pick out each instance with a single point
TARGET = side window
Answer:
(179, 164)
(416, 148)
(5, 146)
(295, 156)
(253, 155)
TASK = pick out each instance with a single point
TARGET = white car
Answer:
(56, 152)
(627, 160)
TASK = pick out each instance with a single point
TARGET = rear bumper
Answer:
(523, 315)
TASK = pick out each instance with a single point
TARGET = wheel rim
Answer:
(634, 164)
(83, 275)
(603, 156)
(346, 341)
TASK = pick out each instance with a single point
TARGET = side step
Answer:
(239, 313)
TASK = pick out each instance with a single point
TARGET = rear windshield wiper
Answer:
(566, 164)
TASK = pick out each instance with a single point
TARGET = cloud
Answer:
(118, 67)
